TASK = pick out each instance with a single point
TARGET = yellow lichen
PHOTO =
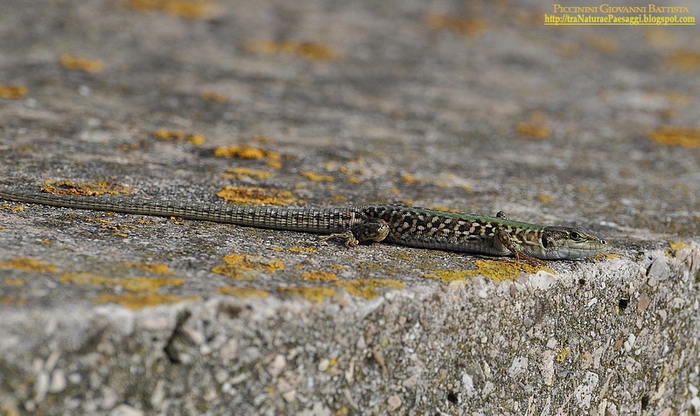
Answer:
(133, 284)
(29, 265)
(213, 96)
(408, 178)
(242, 292)
(327, 276)
(339, 199)
(466, 27)
(12, 92)
(241, 266)
(684, 60)
(179, 135)
(302, 250)
(244, 173)
(191, 9)
(243, 151)
(687, 137)
(367, 288)
(446, 276)
(561, 355)
(13, 207)
(313, 294)
(248, 195)
(151, 267)
(81, 63)
(14, 282)
(147, 284)
(496, 270)
(10, 301)
(141, 300)
(307, 50)
(535, 127)
(315, 176)
(91, 188)
(605, 44)
(677, 245)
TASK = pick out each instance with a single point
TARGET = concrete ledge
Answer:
(608, 337)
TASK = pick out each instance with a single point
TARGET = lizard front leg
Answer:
(503, 239)
(371, 231)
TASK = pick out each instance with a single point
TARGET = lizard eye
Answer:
(575, 235)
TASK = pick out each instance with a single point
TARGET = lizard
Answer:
(390, 223)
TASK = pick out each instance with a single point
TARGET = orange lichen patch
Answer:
(151, 267)
(367, 288)
(325, 276)
(141, 300)
(241, 266)
(92, 188)
(245, 173)
(179, 135)
(467, 27)
(28, 265)
(684, 60)
(497, 270)
(213, 96)
(315, 176)
(308, 50)
(545, 198)
(535, 127)
(687, 137)
(255, 195)
(133, 284)
(313, 294)
(191, 9)
(605, 44)
(242, 292)
(677, 245)
(354, 179)
(12, 92)
(81, 63)
(14, 282)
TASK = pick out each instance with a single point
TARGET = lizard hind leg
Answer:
(372, 231)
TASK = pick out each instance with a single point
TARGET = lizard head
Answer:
(570, 243)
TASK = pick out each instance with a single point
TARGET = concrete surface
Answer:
(472, 106)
